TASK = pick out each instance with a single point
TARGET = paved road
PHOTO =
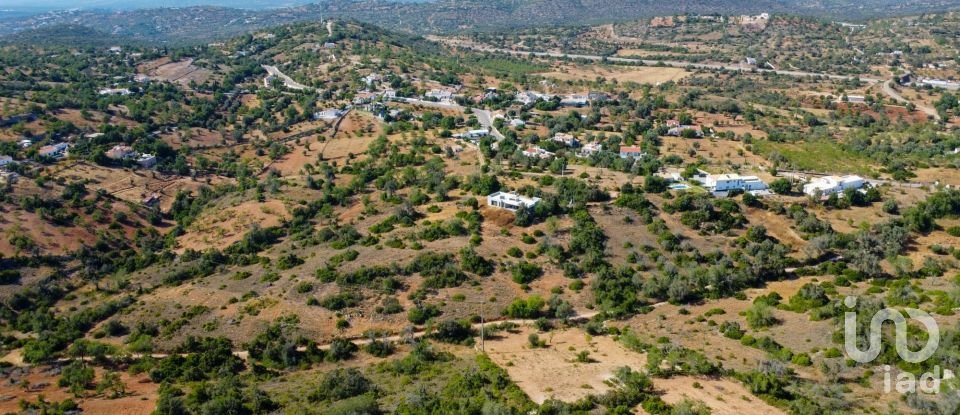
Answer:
(892, 93)
(287, 81)
(483, 116)
(486, 120)
(675, 64)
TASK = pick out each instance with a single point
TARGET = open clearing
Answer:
(181, 72)
(651, 75)
(553, 372)
(140, 397)
(722, 396)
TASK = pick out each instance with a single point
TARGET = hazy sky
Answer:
(44, 5)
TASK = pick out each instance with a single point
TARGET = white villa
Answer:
(538, 153)
(511, 201)
(120, 152)
(833, 184)
(631, 151)
(147, 160)
(473, 134)
(566, 139)
(590, 149)
(57, 151)
(529, 97)
(327, 115)
(575, 100)
(115, 91)
(728, 182)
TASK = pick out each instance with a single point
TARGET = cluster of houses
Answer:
(568, 100)
(122, 152)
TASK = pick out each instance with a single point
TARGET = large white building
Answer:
(828, 185)
(728, 182)
(473, 134)
(511, 201)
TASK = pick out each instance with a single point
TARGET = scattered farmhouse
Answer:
(473, 134)
(590, 149)
(853, 99)
(729, 182)
(939, 83)
(566, 139)
(5, 160)
(828, 185)
(631, 151)
(575, 100)
(511, 201)
(529, 97)
(517, 123)
(327, 115)
(57, 151)
(597, 96)
(679, 130)
(115, 91)
(537, 152)
(120, 152)
(147, 160)
(440, 95)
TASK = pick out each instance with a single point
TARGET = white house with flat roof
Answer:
(511, 201)
(590, 149)
(631, 152)
(473, 134)
(828, 185)
(146, 160)
(728, 182)
(57, 151)
(327, 115)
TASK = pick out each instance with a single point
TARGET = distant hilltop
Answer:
(205, 23)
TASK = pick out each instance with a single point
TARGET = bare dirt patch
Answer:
(553, 372)
(650, 75)
(221, 227)
(181, 72)
(722, 396)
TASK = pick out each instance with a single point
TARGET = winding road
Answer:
(893, 94)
